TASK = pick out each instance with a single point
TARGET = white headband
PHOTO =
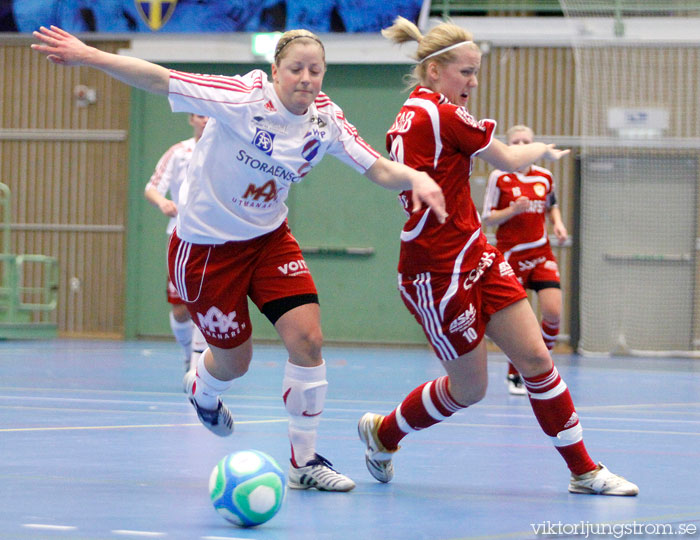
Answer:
(445, 50)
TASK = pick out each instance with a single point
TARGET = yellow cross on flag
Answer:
(155, 13)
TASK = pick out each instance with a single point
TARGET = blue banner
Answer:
(204, 16)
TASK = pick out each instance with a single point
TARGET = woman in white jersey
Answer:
(168, 178)
(232, 238)
(457, 286)
(518, 203)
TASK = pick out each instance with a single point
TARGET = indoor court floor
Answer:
(97, 441)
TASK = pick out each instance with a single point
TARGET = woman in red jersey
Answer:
(518, 203)
(457, 286)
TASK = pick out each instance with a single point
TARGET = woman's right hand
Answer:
(60, 47)
(426, 190)
(552, 153)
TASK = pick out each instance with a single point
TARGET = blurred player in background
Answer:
(168, 177)
(232, 240)
(517, 204)
(457, 286)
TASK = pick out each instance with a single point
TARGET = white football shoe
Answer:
(601, 481)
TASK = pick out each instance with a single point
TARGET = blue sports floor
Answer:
(97, 441)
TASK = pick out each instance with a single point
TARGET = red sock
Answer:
(512, 370)
(426, 405)
(554, 410)
(549, 333)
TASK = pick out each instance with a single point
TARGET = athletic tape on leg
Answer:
(304, 399)
(569, 436)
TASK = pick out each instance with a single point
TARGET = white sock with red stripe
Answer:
(425, 406)
(554, 410)
(304, 395)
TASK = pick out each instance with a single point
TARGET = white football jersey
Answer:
(170, 174)
(252, 150)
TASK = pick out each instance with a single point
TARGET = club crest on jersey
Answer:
(539, 189)
(310, 149)
(155, 13)
(263, 140)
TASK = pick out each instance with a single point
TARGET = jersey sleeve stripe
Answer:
(217, 85)
(224, 83)
(322, 100)
(367, 147)
(194, 77)
(217, 100)
(364, 145)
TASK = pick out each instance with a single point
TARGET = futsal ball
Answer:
(247, 487)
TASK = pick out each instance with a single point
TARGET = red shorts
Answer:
(535, 267)
(173, 297)
(214, 281)
(454, 309)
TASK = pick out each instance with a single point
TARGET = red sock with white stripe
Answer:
(550, 332)
(554, 410)
(426, 405)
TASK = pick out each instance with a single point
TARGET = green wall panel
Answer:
(333, 207)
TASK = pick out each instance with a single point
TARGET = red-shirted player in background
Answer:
(517, 203)
(457, 286)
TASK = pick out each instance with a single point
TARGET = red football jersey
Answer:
(530, 226)
(433, 135)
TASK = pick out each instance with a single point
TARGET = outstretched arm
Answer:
(396, 176)
(63, 48)
(511, 157)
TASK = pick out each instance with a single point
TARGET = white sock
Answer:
(207, 388)
(199, 344)
(183, 334)
(302, 429)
